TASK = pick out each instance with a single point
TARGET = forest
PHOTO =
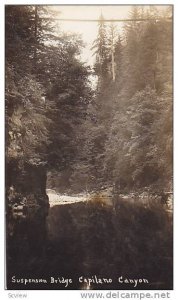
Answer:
(113, 138)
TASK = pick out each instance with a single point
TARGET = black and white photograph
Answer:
(88, 147)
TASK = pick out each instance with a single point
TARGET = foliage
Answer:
(47, 87)
(27, 125)
(101, 46)
(122, 134)
(135, 111)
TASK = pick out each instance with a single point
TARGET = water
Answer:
(92, 239)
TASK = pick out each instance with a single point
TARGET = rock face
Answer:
(26, 207)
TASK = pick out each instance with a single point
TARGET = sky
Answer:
(89, 30)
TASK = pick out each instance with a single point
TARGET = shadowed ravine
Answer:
(89, 147)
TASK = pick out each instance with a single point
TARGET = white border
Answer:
(76, 294)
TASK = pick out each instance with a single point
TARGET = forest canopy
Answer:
(119, 134)
(47, 88)
(89, 149)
